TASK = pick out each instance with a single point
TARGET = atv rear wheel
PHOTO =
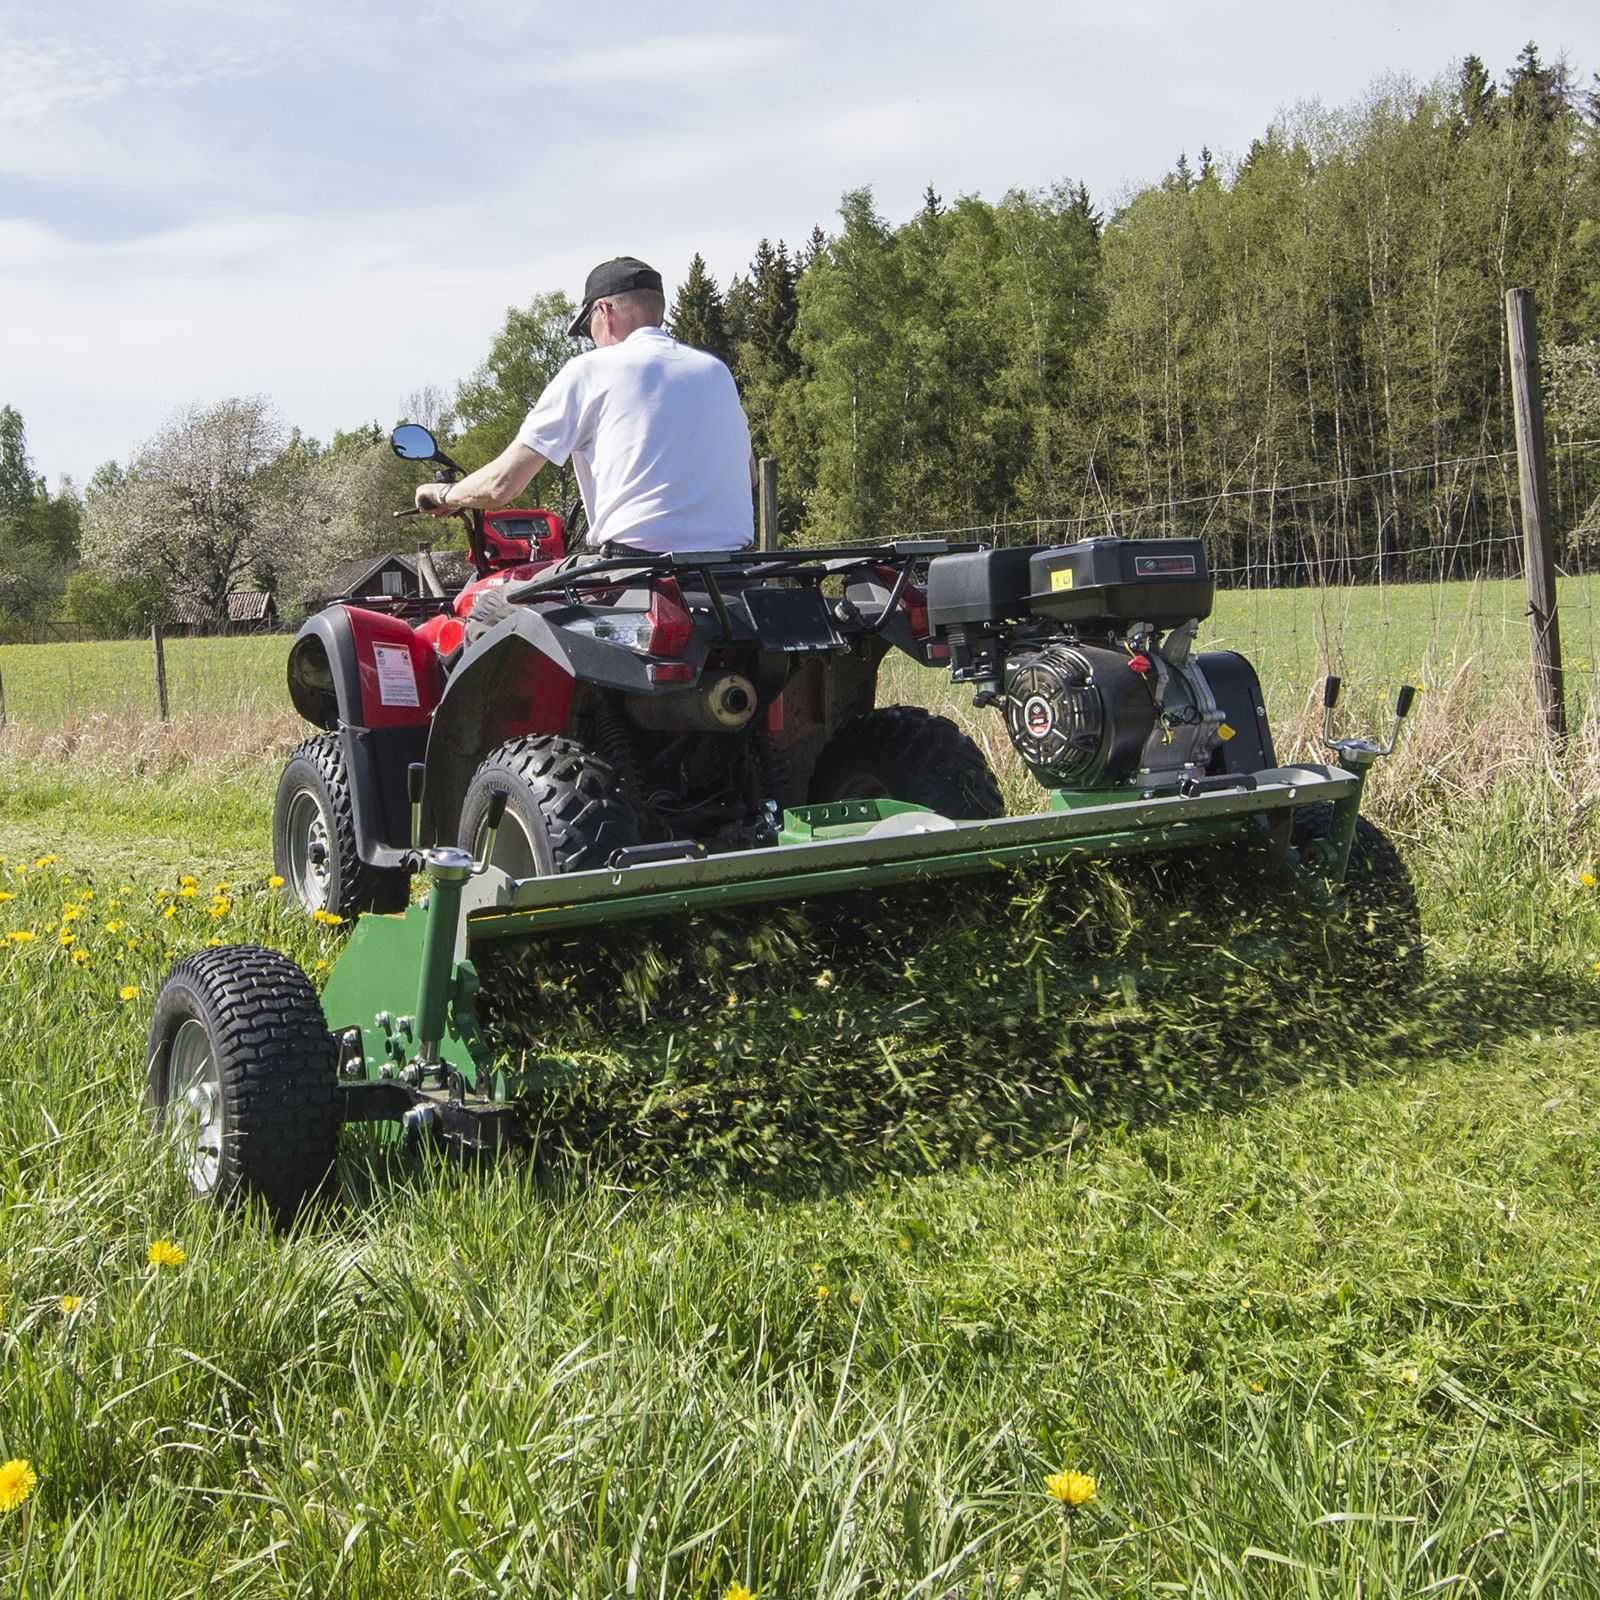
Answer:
(1378, 888)
(314, 838)
(242, 1077)
(905, 753)
(565, 811)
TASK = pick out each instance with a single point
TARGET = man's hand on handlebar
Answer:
(430, 500)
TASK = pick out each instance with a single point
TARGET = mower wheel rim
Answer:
(194, 1106)
(514, 851)
(310, 850)
(864, 786)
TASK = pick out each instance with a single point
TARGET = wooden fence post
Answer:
(161, 669)
(767, 485)
(1527, 401)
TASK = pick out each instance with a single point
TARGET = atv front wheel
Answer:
(314, 838)
(905, 753)
(242, 1077)
(565, 811)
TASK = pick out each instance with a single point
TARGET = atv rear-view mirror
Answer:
(412, 442)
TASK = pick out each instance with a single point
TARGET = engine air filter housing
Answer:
(1164, 582)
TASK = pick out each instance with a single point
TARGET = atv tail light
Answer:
(915, 601)
(668, 627)
(670, 672)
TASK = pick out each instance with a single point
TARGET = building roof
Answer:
(345, 577)
(244, 605)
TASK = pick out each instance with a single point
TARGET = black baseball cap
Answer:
(612, 277)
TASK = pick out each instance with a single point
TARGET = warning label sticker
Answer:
(397, 682)
(1061, 578)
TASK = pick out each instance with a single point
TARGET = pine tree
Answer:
(1476, 93)
(698, 315)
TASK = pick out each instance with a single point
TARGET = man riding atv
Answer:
(654, 430)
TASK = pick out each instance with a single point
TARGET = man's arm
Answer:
(487, 489)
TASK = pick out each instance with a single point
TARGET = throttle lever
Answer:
(492, 820)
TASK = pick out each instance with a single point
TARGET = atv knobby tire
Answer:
(242, 1077)
(905, 753)
(565, 811)
(1377, 886)
(314, 838)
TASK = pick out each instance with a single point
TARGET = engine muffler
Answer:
(722, 702)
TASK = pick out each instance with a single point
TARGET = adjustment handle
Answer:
(497, 808)
(415, 773)
(1330, 693)
(1402, 704)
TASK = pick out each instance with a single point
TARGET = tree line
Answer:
(1324, 310)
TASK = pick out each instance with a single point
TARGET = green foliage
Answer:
(113, 608)
(491, 405)
(38, 534)
(698, 316)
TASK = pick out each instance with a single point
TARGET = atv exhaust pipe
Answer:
(722, 702)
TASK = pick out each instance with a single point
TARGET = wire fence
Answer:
(1415, 573)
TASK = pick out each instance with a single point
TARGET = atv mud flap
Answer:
(390, 974)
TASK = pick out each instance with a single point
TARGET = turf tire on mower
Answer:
(906, 753)
(565, 811)
(1378, 887)
(242, 1077)
(314, 838)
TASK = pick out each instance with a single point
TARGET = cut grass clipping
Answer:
(978, 1017)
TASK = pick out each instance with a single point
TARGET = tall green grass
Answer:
(1302, 1274)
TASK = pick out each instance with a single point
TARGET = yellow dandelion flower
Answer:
(69, 1303)
(219, 888)
(188, 881)
(215, 944)
(115, 926)
(171, 911)
(70, 912)
(124, 888)
(21, 936)
(129, 991)
(1070, 1488)
(737, 1591)
(319, 965)
(6, 894)
(1588, 879)
(45, 861)
(64, 939)
(80, 957)
(328, 919)
(17, 1479)
(133, 944)
(164, 1253)
(220, 908)
(822, 1291)
(189, 891)
(86, 897)
(275, 881)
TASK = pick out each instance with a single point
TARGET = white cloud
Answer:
(667, 61)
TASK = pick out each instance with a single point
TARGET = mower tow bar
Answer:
(1356, 756)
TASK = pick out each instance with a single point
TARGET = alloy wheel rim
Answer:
(310, 851)
(194, 1107)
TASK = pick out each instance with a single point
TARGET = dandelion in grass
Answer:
(66, 939)
(823, 1293)
(164, 1253)
(188, 891)
(70, 912)
(1072, 1489)
(21, 936)
(1587, 880)
(215, 944)
(70, 1304)
(171, 911)
(80, 957)
(114, 926)
(737, 1591)
(45, 861)
(319, 965)
(275, 881)
(328, 919)
(17, 1480)
(129, 991)
(188, 881)
(6, 894)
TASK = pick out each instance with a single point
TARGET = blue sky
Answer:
(333, 205)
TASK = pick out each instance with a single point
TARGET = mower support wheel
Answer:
(314, 838)
(565, 810)
(905, 753)
(1378, 888)
(242, 1077)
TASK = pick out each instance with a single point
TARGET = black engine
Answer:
(1086, 650)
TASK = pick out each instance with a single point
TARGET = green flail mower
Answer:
(1139, 744)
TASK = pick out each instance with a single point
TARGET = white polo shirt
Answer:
(658, 440)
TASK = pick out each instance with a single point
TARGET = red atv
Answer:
(636, 709)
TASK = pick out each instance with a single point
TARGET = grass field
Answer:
(1304, 1277)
